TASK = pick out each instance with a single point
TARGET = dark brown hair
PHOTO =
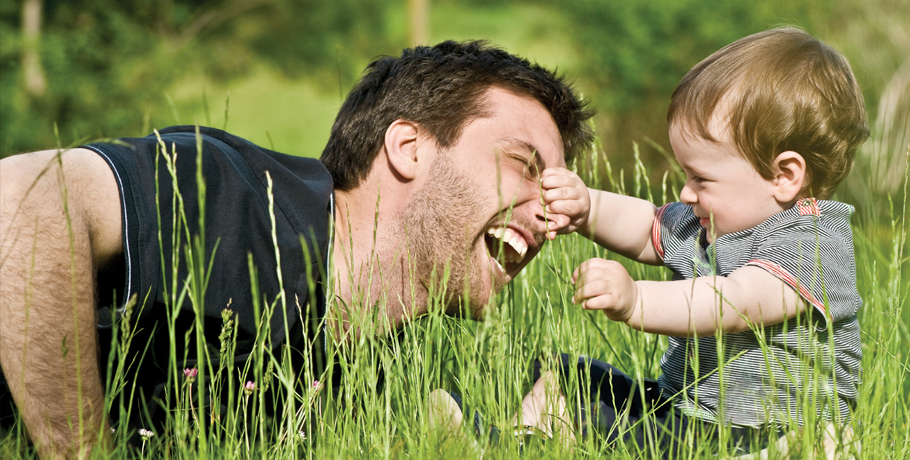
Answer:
(784, 90)
(441, 89)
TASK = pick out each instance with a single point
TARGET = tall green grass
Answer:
(275, 411)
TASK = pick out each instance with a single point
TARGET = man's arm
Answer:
(59, 222)
(695, 307)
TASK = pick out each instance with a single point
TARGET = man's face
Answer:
(479, 212)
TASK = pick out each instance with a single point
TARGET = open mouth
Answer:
(507, 248)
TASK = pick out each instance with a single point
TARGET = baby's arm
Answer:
(619, 223)
(690, 307)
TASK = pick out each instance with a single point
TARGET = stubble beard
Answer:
(440, 234)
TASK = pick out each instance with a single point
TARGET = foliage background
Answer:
(121, 68)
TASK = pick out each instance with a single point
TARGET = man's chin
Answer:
(474, 306)
(471, 311)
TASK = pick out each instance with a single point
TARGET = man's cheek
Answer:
(517, 192)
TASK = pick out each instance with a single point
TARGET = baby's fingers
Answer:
(594, 263)
(587, 290)
(556, 222)
(554, 172)
(567, 207)
(589, 270)
(560, 194)
(600, 302)
(559, 177)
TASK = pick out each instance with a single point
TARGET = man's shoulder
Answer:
(237, 143)
(234, 170)
(221, 147)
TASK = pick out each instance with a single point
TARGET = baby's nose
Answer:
(687, 196)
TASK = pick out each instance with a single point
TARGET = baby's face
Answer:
(725, 191)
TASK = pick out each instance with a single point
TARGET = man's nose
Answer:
(687, 196)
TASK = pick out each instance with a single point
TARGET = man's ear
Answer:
(401, 147)
(789, 176)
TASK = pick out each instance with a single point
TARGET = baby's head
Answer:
(777, 91)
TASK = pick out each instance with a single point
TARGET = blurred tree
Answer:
(634, 52)
(108, 63)
(419, 18)
(877, 43)
(35, 82)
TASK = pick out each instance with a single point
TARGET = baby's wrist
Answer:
(633, 309)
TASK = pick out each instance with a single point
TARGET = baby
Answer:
(761, 312)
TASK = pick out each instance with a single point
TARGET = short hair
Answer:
(784, 91)
(441, 88)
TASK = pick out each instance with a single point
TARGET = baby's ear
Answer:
(789, 176)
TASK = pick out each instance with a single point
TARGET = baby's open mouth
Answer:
(507, 248)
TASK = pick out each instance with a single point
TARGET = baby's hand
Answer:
(566, 199)
(605, 285)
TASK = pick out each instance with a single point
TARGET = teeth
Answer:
(514, 240)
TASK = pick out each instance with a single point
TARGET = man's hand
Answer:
(605, 285)
(567, 201)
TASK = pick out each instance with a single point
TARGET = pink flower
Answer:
(249, 387)
(190, 373)
(315, 383)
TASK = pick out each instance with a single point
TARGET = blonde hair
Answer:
(784, 91)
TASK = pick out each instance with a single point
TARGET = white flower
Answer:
(146, 434)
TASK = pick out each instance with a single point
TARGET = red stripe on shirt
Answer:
(655, 231)
(809, 207)
(791, 281)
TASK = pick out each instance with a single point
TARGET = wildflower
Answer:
(190, 373)
(249, 387)
(316, 384)
(146, 434)
(302, 434)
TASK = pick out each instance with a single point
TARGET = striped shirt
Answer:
(770, 375)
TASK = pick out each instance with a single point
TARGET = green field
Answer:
(489, 364)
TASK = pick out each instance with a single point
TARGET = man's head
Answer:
(477, 213)
(441, 89)
(439, 152)
(776, 91)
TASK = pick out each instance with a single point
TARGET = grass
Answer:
(282, 415)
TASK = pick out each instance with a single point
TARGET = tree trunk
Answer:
(35, 82)
(419, 12)
(890, 150)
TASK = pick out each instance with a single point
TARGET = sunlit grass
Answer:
(275, 411)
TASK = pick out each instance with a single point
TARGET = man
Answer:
(432, 164)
